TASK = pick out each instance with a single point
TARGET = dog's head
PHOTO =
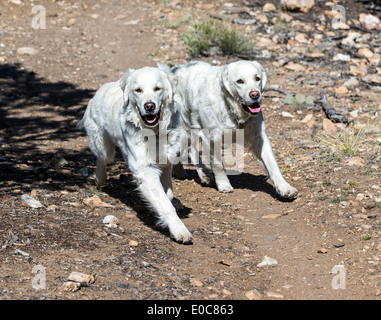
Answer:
(148, 90)
(245, 81)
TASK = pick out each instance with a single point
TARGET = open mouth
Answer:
(151, 119)
(253, 109)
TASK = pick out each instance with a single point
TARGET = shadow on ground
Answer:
(34, 111)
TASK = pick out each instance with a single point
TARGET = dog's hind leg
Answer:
(178, 171)
(104, 150)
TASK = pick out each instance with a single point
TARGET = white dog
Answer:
(227, 97)
(133, 114)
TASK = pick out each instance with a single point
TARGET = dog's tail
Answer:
(81, 123)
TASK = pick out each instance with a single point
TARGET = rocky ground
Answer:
(248, 244)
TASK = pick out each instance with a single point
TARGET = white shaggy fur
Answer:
(227, 97)
(117, 116)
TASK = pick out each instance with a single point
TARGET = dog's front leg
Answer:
(264, 151)
(151, 189)
(255, 136)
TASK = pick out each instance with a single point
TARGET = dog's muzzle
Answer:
(150, 119)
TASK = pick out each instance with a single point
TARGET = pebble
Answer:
(109, 219)
(328, 125)
(81, 277)
(276, 295)
(351, 82)
(355, 161)
(272, 216)
(341, 57)
(31, 202)
(370, 22)
(95, 201)
(253, 295)
(297, 5)
(286, 114)
(341, 90)
(197, 283)
(267, 261)
(268, 7)
(27, 51)
(70, 286)
(133, 243)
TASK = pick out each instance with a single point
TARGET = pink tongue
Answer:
(254, 110)
(151, 121)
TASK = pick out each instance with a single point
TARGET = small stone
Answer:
(272, 216)
(95, 201)
(341, 57)
(70, 286)
(133, 243)
(356, 161)
(370, 22)
(27, 51)
(351, 82)
(285, 17)
(253, 295)
(276, 295)
(268, 7)
(81, 277)
(109, 219)
(322, 250)
(341, 90)
(328, 125)
(307, 118)
(301, 38)
(225, 262)
(286, 114)
(358, 71)
(339, 244)
(297, 5)
(292, 66)
(226, 292)
(197, 283)
(366, 52)
(267, 261)
(31, 202)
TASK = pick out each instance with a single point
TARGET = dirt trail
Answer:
(88, 43)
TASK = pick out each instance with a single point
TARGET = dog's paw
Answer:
(179, 232)
(225, 188)
(182, 236)
(179, 173)
(287, 191)
(205, 178)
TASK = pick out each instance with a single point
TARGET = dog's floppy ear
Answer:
(225, 80)
(263, 72)
(123, 81)
(170, 80)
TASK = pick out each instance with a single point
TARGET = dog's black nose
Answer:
(149, 106)
(254, 95)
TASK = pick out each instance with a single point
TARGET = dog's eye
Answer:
(257, 78)
(156, 89)
(138, 90)
(240, 81)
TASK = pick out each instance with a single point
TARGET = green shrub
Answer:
(209, 34)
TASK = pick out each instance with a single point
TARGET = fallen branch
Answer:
(330, 111)
(276, 89)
